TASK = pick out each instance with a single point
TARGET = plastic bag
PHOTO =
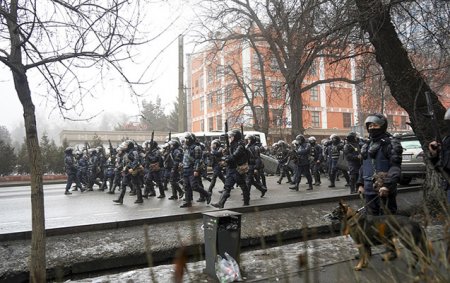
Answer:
(235, 266)
(227, 269)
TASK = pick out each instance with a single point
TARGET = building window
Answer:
(313, 69)
(210, 124)
(210, 99)
(274, 64)
(314, 94)
(219, 122)
(202, 104)
(228, 93)
(391, 122)
(199, 82)
(210, 75)
(315, 119)
(257, 88)
(277, 117)
(347, 118)
(256, 63)
(276, 89)
(259, 115)
(219, 72)
(403, 125)
(218, 97)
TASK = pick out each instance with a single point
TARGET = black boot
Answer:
(120, 199)
(162, 194)
(223, 199)
(294, 187)
(139, 196)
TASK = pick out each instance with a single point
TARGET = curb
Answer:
(26, 235)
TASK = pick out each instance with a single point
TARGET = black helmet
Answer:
(189, 138)
(251, 138)
(68, 150)
(335, 139)
(153, 145)
(216, 142)
(236, 134)
(351, 137)
(312, 140)
(300, 138)
(128, 144)
(378, 119)
(174, 143)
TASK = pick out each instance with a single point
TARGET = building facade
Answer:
(223, 84)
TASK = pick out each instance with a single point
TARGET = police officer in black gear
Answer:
(93, 170)
(253, 161)
(176, 154)
(303, 153)
(334, 150)
(380, 153)
(260, 176)
(282, 155)
(215, 159)
(352, 153)
(236, 160)
(129, 172)
(192, 167)
(71, 170)
(153, 163)
(316, 160)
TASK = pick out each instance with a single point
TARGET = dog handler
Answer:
(381, 153)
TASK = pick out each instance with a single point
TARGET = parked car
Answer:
(413, 164)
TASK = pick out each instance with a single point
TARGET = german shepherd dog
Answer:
(369, 231)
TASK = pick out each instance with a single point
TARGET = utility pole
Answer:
(182, 117)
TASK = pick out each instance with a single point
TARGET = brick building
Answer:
(223, 83)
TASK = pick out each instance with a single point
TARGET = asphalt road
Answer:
(97, 207)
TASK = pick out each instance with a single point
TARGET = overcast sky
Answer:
(164, 73)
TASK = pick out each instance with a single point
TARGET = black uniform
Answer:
(236, 169)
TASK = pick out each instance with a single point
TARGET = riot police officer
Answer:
(215, 158)
(254, 161)
(303, 153)
(153, 163)
(282, 155)
(236, 168)
(71, 170)
(192, 169)
(352, 153)
(380, 153)
(176, 154)
(316, 160)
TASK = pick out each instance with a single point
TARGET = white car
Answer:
(413, 164)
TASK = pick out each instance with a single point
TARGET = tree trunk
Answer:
(407, 85)
(296, 104)
(38, 260)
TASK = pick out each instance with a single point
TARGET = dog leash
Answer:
(367, 204)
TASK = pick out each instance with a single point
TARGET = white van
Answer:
(210, 136)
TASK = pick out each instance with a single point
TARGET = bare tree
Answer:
(58, 40)
(403, 33)
(297, 33)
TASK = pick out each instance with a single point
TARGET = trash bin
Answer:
(222, 234)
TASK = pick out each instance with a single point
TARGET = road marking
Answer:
(150, 209)
(59, 218)
(9, 223)
(105, 213)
